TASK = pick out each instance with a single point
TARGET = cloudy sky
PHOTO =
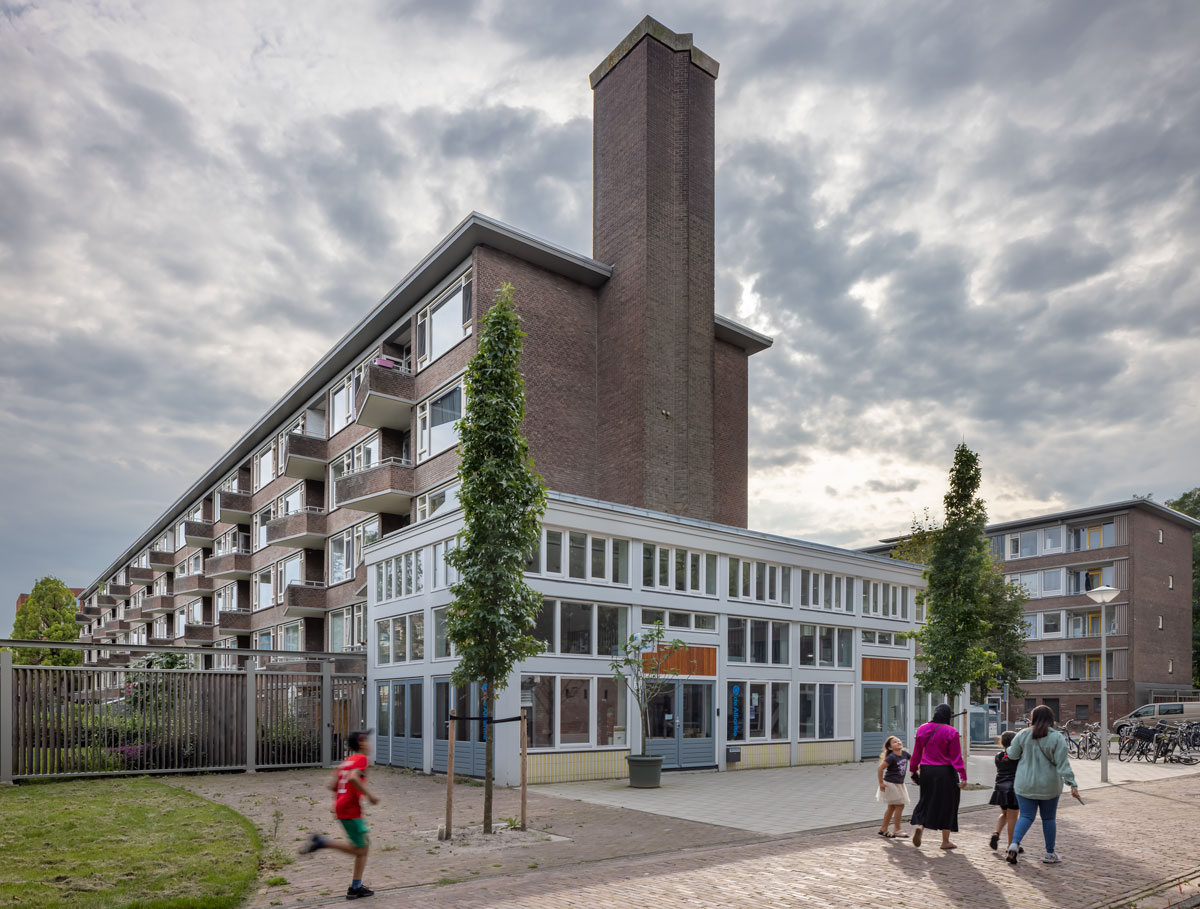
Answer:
(959, 221)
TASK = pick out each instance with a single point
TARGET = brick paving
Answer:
(1125, 843)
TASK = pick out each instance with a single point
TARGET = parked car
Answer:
(1166, 712)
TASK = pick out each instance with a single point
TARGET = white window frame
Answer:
(424, 440)
(423, 339)
(590, 745)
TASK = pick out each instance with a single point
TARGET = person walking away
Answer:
(1041, 773)
(936, 761)
(349, 785)
(893, 764)
(1003, 795)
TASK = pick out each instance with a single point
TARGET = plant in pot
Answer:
(645, 667)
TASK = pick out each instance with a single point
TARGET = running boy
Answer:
(349, 784)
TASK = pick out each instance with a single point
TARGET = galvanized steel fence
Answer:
(62, 721)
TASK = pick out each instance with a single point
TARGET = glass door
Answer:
(681, 721)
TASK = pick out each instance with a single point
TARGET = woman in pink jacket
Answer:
(937, 768)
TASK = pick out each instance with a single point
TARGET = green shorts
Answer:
(356, 831)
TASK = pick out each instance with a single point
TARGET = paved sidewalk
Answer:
(1103, 866)
(795, 799)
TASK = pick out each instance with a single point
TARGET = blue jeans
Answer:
(1029, 810)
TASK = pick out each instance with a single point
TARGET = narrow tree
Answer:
(1003, 611)
(955, 615)
(1189, 504)
(503, 500)
(48, 615)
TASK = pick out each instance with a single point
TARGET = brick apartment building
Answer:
(326, 526)
(1140, 547)
(636, 393)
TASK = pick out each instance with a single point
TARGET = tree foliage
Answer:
(503, 500)
(48, 615)
(1189, 503)
(956, 624)
(644, 666)
(1003, 612)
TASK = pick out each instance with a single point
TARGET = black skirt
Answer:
(937, 808)
(1004, 797)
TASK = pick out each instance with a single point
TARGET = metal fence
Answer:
(63, 721)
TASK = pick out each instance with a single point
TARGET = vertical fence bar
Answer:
(6, 718)
(326, 713)
(251, 732)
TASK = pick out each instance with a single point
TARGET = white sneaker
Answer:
(1051, 858)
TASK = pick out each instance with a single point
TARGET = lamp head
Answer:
(1103, 594)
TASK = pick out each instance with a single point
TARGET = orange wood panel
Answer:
(877, 669)
(692, 661)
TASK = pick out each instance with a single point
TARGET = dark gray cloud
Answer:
(958, 221)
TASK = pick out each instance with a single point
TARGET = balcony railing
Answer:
(161, 560)
(234, 507)
(198, 534)
(386, 397)
(159, 604)
(386, 487)
(304, 598)
(305, 456)
(304, 529)
(119, 591)
(139, 577)
(234, 620)
(199, 634)
(231, 566)
(193, 584)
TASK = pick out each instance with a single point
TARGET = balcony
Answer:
(82, 618)
(304, 456)
(114, 661)
(233, 621)
(160, 642)
(160, 604)
(162, 561)
(199, 634)
(304, 529)
(85, 639)
(232, 566)
(234, 507)
(193, 584)
(140, 577)
(383, 488)
(304, 599)
(119, 591)
(385, 398)
(115, 626)
(198, 534)
(92, 611)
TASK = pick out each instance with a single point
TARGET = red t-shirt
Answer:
(346, 803)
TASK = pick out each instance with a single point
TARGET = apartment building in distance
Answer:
(1138, 546)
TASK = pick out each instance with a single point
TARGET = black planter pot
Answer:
(645, 770)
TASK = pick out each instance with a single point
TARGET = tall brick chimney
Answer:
(652, 219)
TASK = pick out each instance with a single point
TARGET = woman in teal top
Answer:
(1043, 768)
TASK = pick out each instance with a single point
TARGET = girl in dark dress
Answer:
(1003, 795)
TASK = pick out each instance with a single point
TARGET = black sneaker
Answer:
(357, 893)
(313, 843)
(994, 841)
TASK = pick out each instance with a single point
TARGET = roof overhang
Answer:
(739, 335)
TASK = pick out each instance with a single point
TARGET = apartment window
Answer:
(444, 574)
(681, 570)
(694, 621)
(574, 711)
(355, 458)
(232, 541)
(436, 419)
(1090, 578)
(822, 710)
(830, 647)
(762, 581)
(263, 640)
(341, 398)
(583, 629)
(1051, 624)
(1093, 536)
(592, 558)
(1052, 539)
(1052, 582)
(290, 502)
(341, 557)
(346, 629)
(1051, 665)
(289, 636)
(264, 467)
(180, 622)
(400, 576)
(431, 503)
(264, 588)
(289, 574)
(225, 599)
(444, 323)
(261, 519)
(761, 641)
(442, 648)
(400, 639)
(756, 710)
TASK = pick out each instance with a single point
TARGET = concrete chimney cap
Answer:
(656, 30)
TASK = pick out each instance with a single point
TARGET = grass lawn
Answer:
(122, 842)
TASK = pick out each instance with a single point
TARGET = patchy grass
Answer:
(131, 843)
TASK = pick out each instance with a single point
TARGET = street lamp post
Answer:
(1103, 596)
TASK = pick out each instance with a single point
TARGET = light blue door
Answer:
(681, 726)
(405, 748)
(884, 715)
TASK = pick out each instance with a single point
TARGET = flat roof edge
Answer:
(649, 26)
(741, 336)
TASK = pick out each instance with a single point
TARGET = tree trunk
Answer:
(489, 758)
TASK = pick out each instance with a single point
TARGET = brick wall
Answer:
(1151, 563)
